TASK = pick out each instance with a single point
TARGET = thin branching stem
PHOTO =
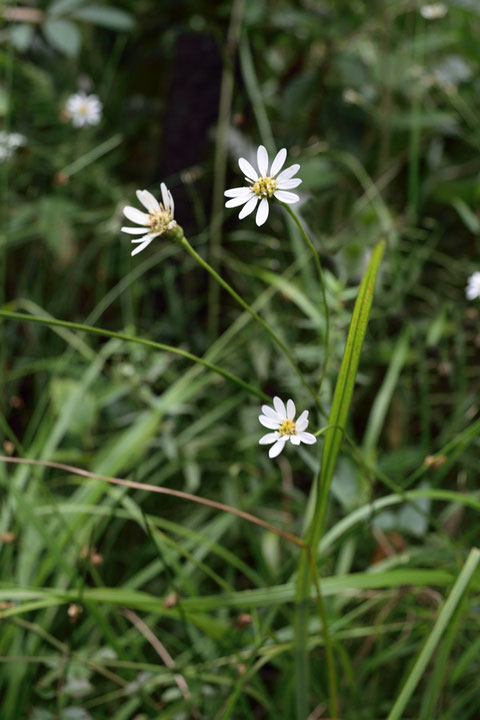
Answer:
(156, 489)
(278, 341)
(318, 265)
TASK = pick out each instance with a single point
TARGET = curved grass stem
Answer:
(277, 340)
(331, 672)
(318, 265)
(54, 322)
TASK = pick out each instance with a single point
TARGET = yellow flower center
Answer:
(159, 221)
(287, 427)
(264, 186)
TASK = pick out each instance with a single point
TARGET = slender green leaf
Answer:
(333, 439)
(433, 639)
(63, 36)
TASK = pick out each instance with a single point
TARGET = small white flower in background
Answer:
(472, 291)
(433, 11)
(9, 142)
(157, 221)
(83, 109)
(281, 419)
(264, 185)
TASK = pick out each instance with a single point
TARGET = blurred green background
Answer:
(379, 103)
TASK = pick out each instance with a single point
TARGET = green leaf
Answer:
(108, 17)
(62, 7)
(82, 420)
(469, 217)
(434, 638)
(21, 36)
(382, 401)
(344, 388)
(63, 36)
(333, 439)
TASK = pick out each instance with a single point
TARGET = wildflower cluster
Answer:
(269, 183)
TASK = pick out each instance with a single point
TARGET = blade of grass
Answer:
(220, 162)
(433, 639)
(240, 599)
(381, 404)
(333, 438)
(54, 322)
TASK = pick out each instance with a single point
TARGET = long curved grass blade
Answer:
(433, 639)
(266, 597)
(54, 322)
(333, 439)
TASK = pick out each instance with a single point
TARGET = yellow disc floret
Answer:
(159, 221)
(264, 186)
(287, 427)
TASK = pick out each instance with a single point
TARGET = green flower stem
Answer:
(322, 287)
(140, 341)
(331, 673)
(184, 242)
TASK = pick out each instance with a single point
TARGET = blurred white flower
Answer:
(83, 109)
(281, 419)
(9, 142)
(433, 11)
(452, 71)
(472, 291)
(264, 185)
(157, 221)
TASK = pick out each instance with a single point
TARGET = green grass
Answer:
(155, 562)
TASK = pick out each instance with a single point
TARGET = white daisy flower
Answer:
(9, 142)
(433, 11)
(83, 109)
(472, 291)
(282, 421)
(264, 185)
(157, 221)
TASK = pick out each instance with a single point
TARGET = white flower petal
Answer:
(303, 417)
(247, 169)
(262, 160)
(295, 439)
(288, 184)
(148, 201)
(279, 162)
(269, 412)
(236, 192)
(290, 409)
(472, 290)
(277, 448)
(148, 236)
(302, 422)
(165, 198)
(307, 438)
(268, 422)
(135, 230)
(288, 172)
(249, 207)
(279, 406)
(262, 212)
(240, 200)
(136, 216)
(148, 240)
(269, 438)
(172, 204)
(286, 197)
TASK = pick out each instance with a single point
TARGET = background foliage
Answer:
(380, 107)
